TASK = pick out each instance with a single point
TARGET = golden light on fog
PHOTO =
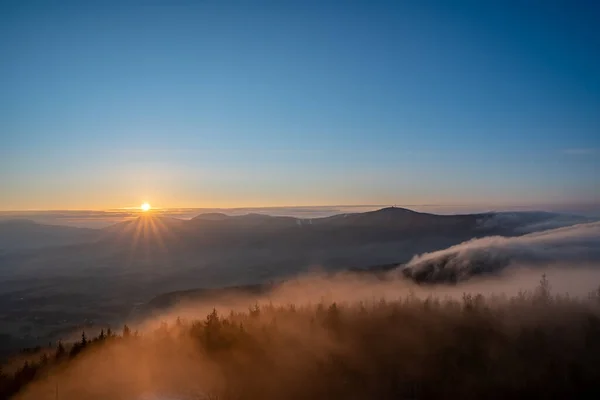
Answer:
(145, 207)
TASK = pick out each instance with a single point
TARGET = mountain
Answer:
(104, 274)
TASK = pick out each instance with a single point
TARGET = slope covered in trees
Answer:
(534, 345)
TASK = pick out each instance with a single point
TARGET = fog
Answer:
(573, 246)
(168, 363)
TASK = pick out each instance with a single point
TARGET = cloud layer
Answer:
(574, 245)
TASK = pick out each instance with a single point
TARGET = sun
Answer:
(145, 207)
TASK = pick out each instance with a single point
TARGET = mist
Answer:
(289, 332)
(572, 246)
(362, 334)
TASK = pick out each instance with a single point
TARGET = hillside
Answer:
(47, 290)
(535, 345)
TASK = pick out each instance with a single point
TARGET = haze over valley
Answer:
(56, 279)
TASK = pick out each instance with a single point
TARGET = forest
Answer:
(536, 344)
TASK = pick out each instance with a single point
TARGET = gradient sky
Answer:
(252, 103)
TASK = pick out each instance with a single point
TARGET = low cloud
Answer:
(576, 245)
(533, 221)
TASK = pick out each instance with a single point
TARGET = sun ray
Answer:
(133, 246)
(163, 233)
(164, 229)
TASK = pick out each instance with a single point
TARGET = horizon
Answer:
(104, 218)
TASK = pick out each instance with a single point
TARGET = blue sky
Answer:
(237, 104)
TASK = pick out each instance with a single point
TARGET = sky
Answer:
(181, 103)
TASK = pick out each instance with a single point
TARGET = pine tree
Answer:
(332, 318)
(60, 351)
(126, 331)
(543, 290)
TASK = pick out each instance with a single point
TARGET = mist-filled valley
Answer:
(536, 343)
(379, 304)
(108, 275)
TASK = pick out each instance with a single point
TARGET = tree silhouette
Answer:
(60, 351)
(544, 288)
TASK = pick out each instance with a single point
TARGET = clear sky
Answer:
(251, 103)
